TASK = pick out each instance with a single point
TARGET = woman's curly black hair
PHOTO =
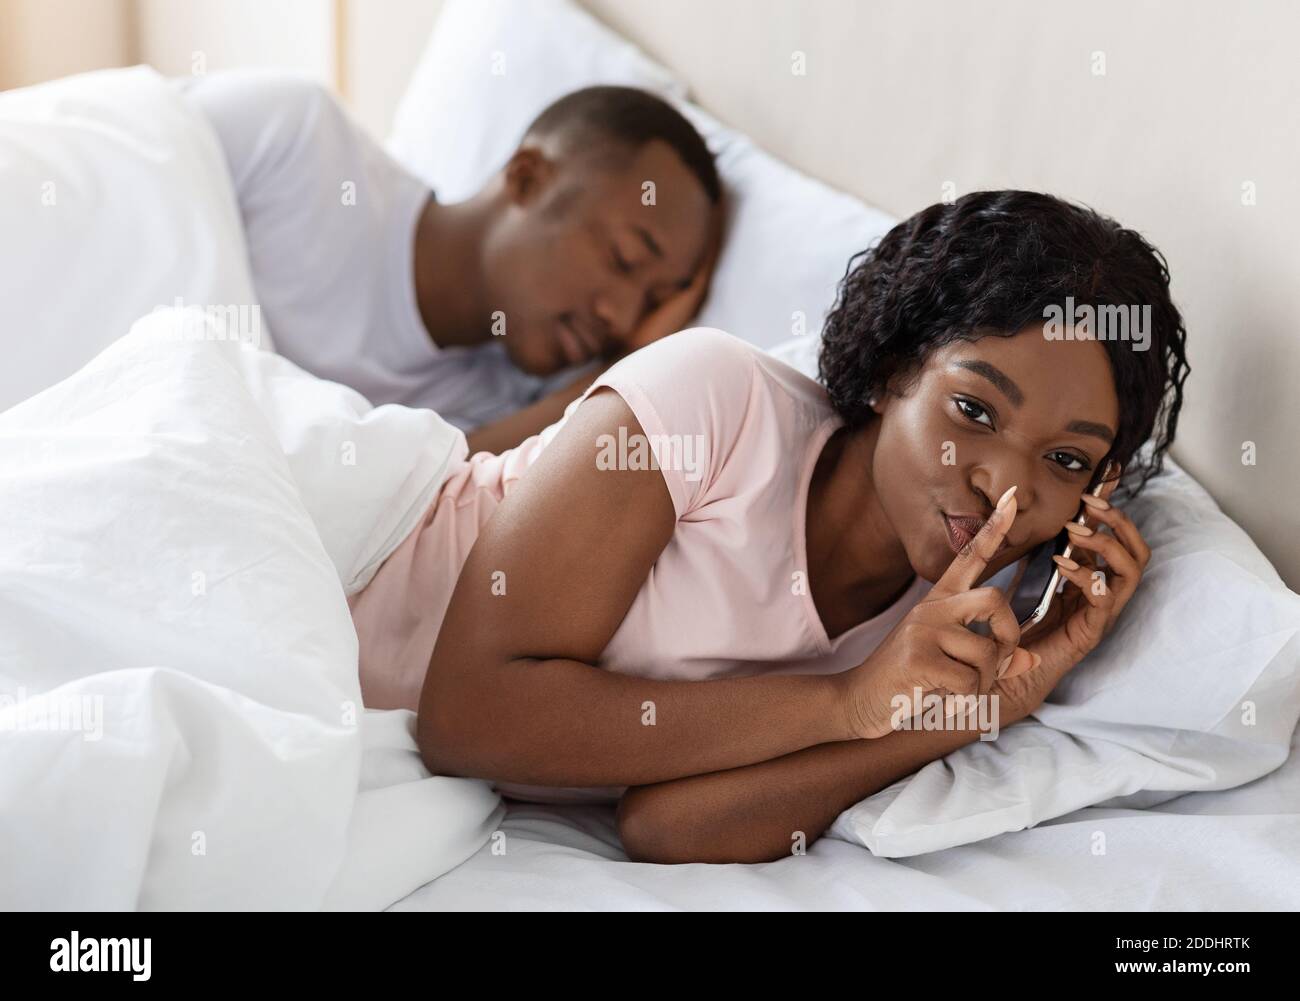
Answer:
(991, 263)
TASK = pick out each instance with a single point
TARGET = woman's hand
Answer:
(932, 650)
(1084, 613)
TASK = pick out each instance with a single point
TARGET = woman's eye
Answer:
(619, 263)
(1079, 464)
(979, 414)
(972, 411)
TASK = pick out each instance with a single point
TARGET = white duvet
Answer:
(180, 715)
(180, 719)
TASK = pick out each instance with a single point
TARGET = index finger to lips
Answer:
(965, 570)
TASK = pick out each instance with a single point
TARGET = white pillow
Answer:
(789, 237)
(1197, 687)
(116, 199)
(489, 67)
(1153, 712)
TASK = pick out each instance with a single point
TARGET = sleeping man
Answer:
(568, 257)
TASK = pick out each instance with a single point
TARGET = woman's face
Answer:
(980, 417)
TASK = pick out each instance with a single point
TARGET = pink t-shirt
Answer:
(737, 434)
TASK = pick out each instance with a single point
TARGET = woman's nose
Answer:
(1011, 472)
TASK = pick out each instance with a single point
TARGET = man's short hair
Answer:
(627, 117)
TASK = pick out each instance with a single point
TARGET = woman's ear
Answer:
(878, 398)
(895, 385)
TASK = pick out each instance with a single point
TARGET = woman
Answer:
(802, 554)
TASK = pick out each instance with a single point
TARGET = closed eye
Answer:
(620, 265)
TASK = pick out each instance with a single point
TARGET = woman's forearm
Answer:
(760, 812)
(566, 723)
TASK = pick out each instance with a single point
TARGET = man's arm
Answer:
(514, 428)
(755, 813)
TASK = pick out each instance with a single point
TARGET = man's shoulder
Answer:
(258, 92)
(271, 123)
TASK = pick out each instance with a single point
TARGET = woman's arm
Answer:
(754, 814)
(512, 694)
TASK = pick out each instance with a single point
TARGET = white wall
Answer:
(364, 49)
(44, 39)
(384, 42)
(185, 36)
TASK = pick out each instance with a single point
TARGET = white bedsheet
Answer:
(177, 522)
(1237, 849)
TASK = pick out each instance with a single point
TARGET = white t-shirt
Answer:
(330, 221)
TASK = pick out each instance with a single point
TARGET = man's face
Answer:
(985, 415)
(586, 248)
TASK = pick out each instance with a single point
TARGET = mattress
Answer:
(1237, 849)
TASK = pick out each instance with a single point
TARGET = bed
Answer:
(1107, 845)
(1209, 851)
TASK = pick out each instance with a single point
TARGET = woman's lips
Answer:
(961, 529)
